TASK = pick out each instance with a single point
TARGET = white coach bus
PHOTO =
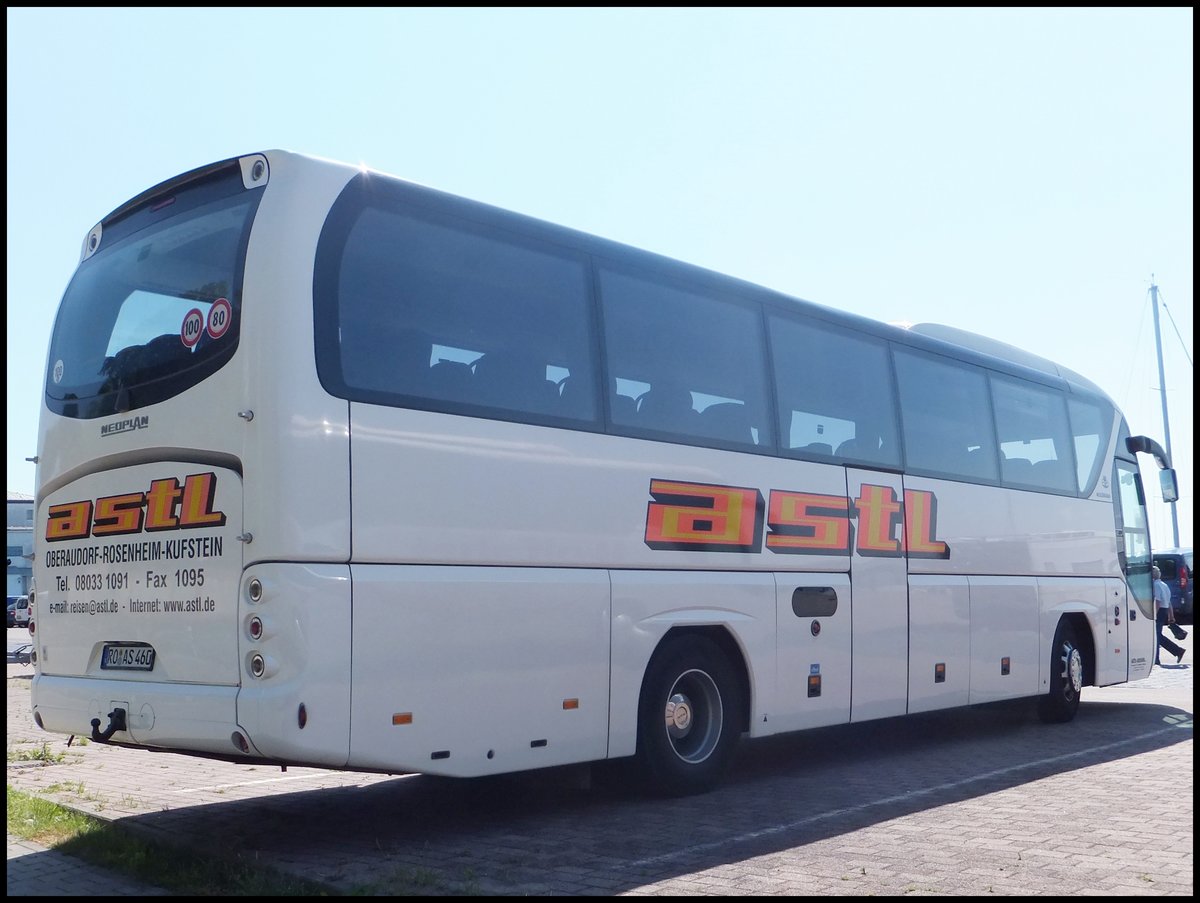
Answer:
(340, 471)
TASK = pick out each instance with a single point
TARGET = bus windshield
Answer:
(153, 314)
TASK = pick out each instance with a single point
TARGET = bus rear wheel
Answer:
(690, 717)
(1066, 677)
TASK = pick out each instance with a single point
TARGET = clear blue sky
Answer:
(1019, 173)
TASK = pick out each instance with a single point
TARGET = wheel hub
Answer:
(679, 715)
(1074, 668)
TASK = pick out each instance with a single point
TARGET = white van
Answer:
(21, 612)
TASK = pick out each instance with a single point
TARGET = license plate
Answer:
(127, 657)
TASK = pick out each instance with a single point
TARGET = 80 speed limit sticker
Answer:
(220, 315)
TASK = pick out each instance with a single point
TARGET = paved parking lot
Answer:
(979, 801)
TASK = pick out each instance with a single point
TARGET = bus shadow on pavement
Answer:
(539, 832)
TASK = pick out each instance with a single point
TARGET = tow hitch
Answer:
(116, 722)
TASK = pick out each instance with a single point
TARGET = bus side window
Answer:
(377, 356)
(948, 430)
(820, 409)
(1035, 440)
(515, 380)
(451, 381)
(574, 398)
(680, 348)
(865, 446)
(1016, 470)
(668, 407)
(624, 408)
(1090, 425)
(727, 420)
(472, 288)
(1053, 475)
(817, 448)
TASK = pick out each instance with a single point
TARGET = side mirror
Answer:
(1170, 486)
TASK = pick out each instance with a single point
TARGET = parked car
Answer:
(12, 611)
(20, 612)
(1176, 567)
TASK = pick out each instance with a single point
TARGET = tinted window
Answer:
(157, 310)
(835, 393)
(1035, 444)
(683, 364)
(433, 312)
(1091, 425)
(947, 419)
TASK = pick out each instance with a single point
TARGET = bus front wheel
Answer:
(689, 717)
(1066, 677)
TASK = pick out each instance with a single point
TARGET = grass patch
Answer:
(108, 845)
(35, 754)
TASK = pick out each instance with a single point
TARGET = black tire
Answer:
(690, 717)
(1066, 677)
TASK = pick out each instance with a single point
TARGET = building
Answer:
(20, 542)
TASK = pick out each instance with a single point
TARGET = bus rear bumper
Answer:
(184, 717)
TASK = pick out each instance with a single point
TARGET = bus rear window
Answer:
(157, 311)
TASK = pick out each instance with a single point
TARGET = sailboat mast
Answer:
(1162, 388)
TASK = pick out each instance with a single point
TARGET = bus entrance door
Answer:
(1119, 656)
(879, 587)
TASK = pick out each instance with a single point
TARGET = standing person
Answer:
(1164, 614)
